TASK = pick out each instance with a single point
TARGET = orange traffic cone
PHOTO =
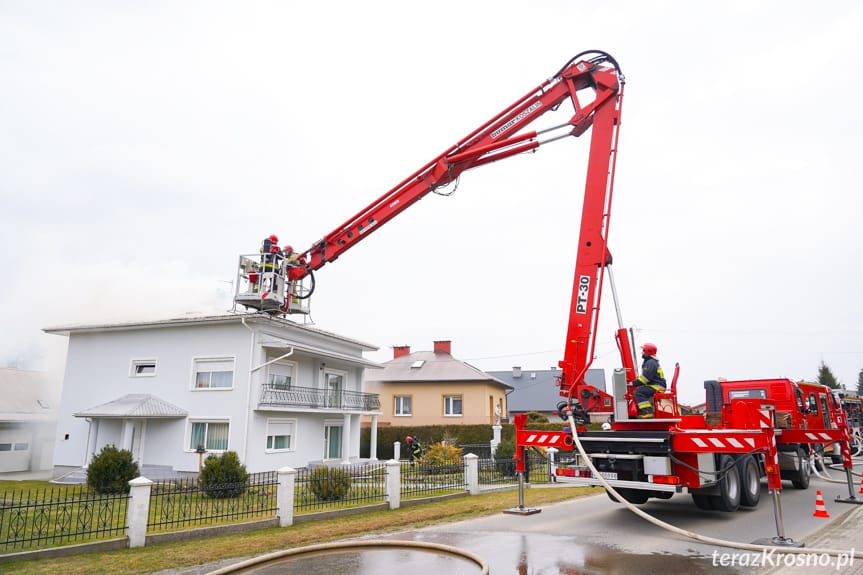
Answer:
(861, 486)
(820, 510)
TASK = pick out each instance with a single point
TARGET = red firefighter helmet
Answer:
(408, 439)
(289, 249)
(274, 238)
(648, 349)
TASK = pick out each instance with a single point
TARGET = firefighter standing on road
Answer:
(415, 450)
(651, 380)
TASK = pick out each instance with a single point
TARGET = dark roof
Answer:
(536, 389)
(430, 367)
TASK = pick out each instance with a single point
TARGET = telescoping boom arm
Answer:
(592, 74)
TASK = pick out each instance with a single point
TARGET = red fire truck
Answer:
(720, 456)
(750, 429)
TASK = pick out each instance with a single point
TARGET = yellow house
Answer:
(434, 388)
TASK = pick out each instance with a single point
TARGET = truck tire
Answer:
(750, 481)
(800, 477)
(729, 486)
(702, 501)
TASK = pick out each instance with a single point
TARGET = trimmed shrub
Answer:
(330, 484)
(442, 453)
(536, 417)
(223, 476)
(111, 470)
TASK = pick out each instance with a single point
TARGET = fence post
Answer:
(285, 496)
(471, 473)
(138, 511)
(394, 483)
(550, 453)
(397, 450)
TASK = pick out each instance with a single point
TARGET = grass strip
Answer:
(187, 554)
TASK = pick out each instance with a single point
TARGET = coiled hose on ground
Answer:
(352, 545)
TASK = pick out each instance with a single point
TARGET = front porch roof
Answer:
(283, 346)
(135, 405)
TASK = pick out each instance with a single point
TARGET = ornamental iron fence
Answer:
(60, 516)
(324, 488)
(186, 503)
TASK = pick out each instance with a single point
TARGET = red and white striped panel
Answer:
(819, 436)
(544, 439)
(713, 443)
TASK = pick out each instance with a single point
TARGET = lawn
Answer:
(190, 553)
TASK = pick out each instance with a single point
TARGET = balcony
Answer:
(276, 396)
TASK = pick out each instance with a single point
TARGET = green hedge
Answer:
(428, 434)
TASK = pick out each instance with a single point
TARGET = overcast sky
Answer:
(145, 145)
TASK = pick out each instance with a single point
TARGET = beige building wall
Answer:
(427, 403)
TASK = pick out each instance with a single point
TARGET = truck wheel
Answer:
(750, 481)
(729, 486)
(800, 477)
(702, 501)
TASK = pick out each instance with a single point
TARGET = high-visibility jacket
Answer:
(415, 449)
(651, 373)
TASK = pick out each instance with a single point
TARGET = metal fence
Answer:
(325, 488)
(58, 516)
(426, 479)
(502, 471)
(184, 503)
(74, 514)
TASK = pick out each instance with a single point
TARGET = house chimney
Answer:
(516, 371)
(443, 346)
(401, 350)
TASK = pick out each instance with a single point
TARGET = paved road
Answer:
(593, 534)
(597, 536)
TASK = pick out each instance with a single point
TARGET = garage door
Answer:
(14, 451)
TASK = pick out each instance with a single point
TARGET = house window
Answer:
(143, 368)
(332, 440)
(22, 447)
(280, 433)
(335, 381)
(402, 405)
(281, 375)
(452, 405)
(214, 373)
(5, 447)
(209, 435)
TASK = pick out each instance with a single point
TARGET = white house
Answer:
(276, 392)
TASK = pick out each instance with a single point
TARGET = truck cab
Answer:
(800, 407)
